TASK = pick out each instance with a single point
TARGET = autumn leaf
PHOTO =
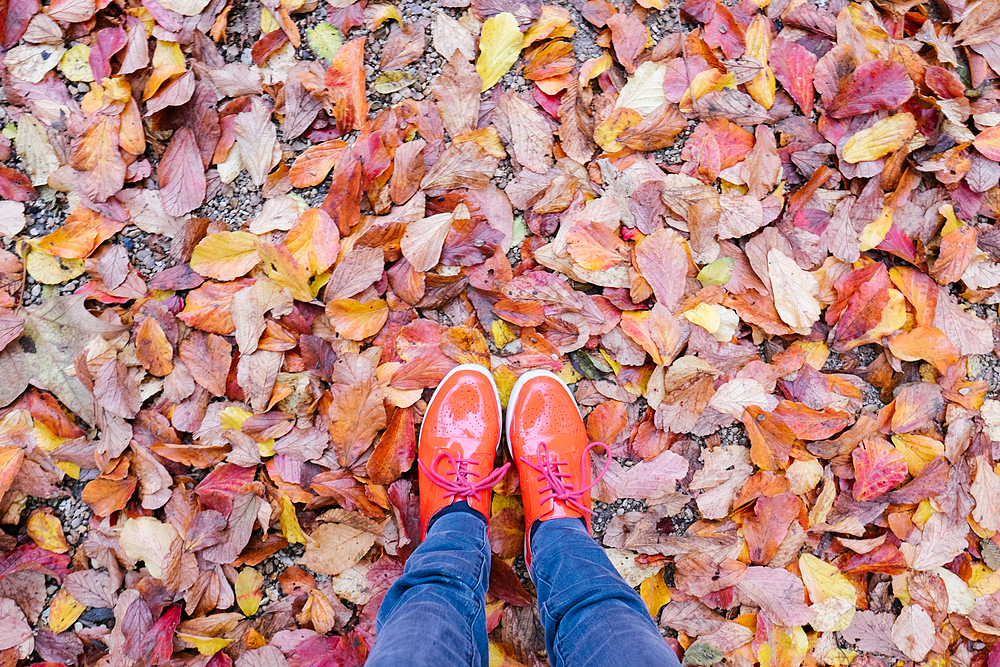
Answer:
(499, 47)
(181, 174)
(882, 138)
(248, 590)
(878, 467)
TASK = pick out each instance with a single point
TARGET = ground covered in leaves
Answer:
(244, 241)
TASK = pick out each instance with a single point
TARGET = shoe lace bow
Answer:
(463, 482)
(556, 487)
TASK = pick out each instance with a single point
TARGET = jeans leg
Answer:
(435, 614)
(591, 616)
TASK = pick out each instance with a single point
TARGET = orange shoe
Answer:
(458, 443)
(548, 442)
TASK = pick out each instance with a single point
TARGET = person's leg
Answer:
(590, 615)
(434, 615)
(592, 618)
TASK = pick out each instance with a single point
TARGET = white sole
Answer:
(482, 370)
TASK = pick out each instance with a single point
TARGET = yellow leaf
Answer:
(875, 231)
(502, 502)
(51, 270)
(282, 268)
(704, 316)
(206, 645)
(606, 134)
(758, 40)
(71, 469)
(568, 374)
(47, 532)
(983, 581)
(376, 15)
(885, 136)
(75, 64)
(289, 523)
(505, 380)
(63, 611)
(501, 333)
(268, 22)
(248, 590)
(499, 48)
(917, 450)
(615, 366)
(233, 417)
(168, 53)
(654, 593)
(924, 513)
(787, 646)
(225, 256)
(824, 580)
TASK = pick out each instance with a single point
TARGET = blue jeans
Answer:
(434, 615)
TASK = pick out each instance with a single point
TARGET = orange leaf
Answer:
(354, 320)
(878, 467)
(595, 246)
(344, 87)
(927, 343)
(79, 237)
(987, 142)
(314, 163)
(767, 526)
(606, 421)
(954, 256)
(46, 530)
(153, 350)
(809, 424)
(97, 158)
(919, 289)
(106, 496)
(314, 241)
(916, 406)
(10, 463)
(395, 449)
(771, 439)
(209, 307)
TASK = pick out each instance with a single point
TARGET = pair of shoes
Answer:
(546, 439)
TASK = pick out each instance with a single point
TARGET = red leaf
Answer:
(32, 558)
(15, 186)
(874, 85)
(878, 467)
(793, 67)
(14, 18)
(182, 175)
(158, 641)
(628, 35)
(109, 42)
(885, 558)
(216, 491)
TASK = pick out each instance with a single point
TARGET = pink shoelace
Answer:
(462, 484)
(556, 487)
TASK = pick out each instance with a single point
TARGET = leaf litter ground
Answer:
(245, 241)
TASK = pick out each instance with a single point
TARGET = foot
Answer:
(548, 442)
(458, 443)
